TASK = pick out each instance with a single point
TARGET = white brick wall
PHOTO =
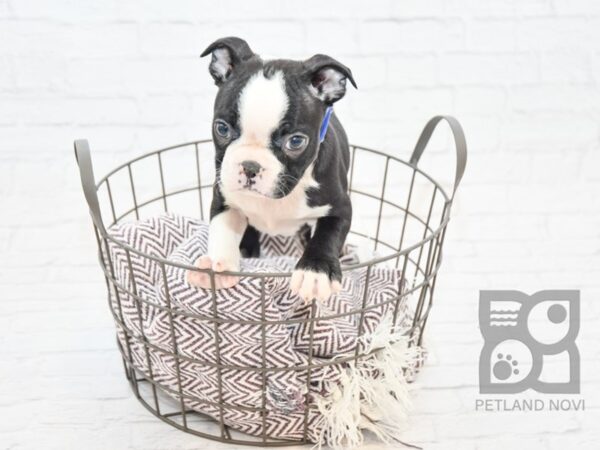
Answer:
(523, 77)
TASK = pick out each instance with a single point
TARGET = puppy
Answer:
(281, 161)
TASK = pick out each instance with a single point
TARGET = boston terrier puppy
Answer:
(281, 161)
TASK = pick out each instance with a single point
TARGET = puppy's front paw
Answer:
(202, 279)
(316, 279)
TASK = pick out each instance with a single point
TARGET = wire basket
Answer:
(399, 211)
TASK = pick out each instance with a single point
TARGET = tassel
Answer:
(372, 394)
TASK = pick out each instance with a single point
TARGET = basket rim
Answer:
(434, 234)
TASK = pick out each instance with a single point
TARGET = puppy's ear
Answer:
(327, 78)
(227, 53)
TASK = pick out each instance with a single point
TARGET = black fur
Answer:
(250, 245)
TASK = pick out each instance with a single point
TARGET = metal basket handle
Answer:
(86, 172)
(459, 142)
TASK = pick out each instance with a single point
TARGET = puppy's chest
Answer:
(283, 216)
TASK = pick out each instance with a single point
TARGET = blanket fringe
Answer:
(371, 394)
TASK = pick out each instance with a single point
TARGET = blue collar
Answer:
(325, 123)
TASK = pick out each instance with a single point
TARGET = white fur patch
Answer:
(313, 285)
(225, 234)
(283, 216)
(262, 105)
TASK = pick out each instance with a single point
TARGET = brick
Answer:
(566, 66)
(412, 70)
(486, 199)
(449, 376)
(39, 73)
(101, 41)
(62, 341)
(331, 37)
(95, 77)
(369, 72)
(271, 39)
(555, 167)
(535, 8)
(533, 443)
(51, 111)
(428, 401)
(92, 40)
(419, 430)
(560, 130)
(577, 7)
(492, 35)
(475, 8)
(17, 37)
(508, 168)
(340, 9)
(364, 106)
(488, 68)
(28, 173)
(7, 77)
(587, 442)
(456, 354)
(484, 131)
(596, 65)
(552, 34)
(164, 110)
(181, 11)
(481, 100)
(179, 39)
(65, 10)
(166, 75)
(4, 9)
(411, 36)
(552, 199)
(417, 8)
(36, 111)
(590, 164)
(557, 98)
(262, 10)
(494, 424)
(464, 444)
(587, 225)
(501, 227)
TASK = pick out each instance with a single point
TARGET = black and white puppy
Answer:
(274, 174)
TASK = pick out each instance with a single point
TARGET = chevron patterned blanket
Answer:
(240, 391)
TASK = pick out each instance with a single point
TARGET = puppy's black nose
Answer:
(251, 168)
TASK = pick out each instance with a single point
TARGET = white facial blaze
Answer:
(263, 103)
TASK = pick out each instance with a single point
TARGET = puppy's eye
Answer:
(222, 129)
(296, 143)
